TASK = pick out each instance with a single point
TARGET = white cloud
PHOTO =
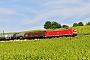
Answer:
(39, 17)
(31, 14)
(6, 11)
(27, 21)
(58, 2)
(78, 12)
(86, 20)
(16, 0)
(37, 27)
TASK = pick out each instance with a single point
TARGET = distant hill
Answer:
(83, 29)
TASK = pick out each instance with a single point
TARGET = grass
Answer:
(77, 48)
(83, 29)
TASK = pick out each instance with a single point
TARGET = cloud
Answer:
(7, 11)
(5, 28)
(59, 2)
(86, 20)
(26, 21)
(34, 13)
(39, 17)
(37, 27)
(76, 12)
(15, 0)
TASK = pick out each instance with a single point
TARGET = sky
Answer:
(23, 15)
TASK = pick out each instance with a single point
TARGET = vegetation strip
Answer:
(78, 48)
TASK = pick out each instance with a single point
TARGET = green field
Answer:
(63, 48)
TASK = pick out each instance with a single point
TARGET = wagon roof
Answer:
(36, 32)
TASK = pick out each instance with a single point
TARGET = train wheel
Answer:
(21, 38)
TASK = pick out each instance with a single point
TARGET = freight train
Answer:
(41, 34)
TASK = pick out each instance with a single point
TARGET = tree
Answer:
(65, 26)
(88, 23)
(80, 24)
(75, 24)
(47, 25)
(54, 25)
(59, 26)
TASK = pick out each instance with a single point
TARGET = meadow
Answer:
(83, 30)
(62, 48)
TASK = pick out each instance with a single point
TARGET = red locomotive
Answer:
(65, 32)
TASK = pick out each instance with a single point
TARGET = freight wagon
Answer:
(33, 35)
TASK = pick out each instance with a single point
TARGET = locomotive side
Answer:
(58, 33)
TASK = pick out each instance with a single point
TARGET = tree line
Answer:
(80, 24)
(54, 25)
